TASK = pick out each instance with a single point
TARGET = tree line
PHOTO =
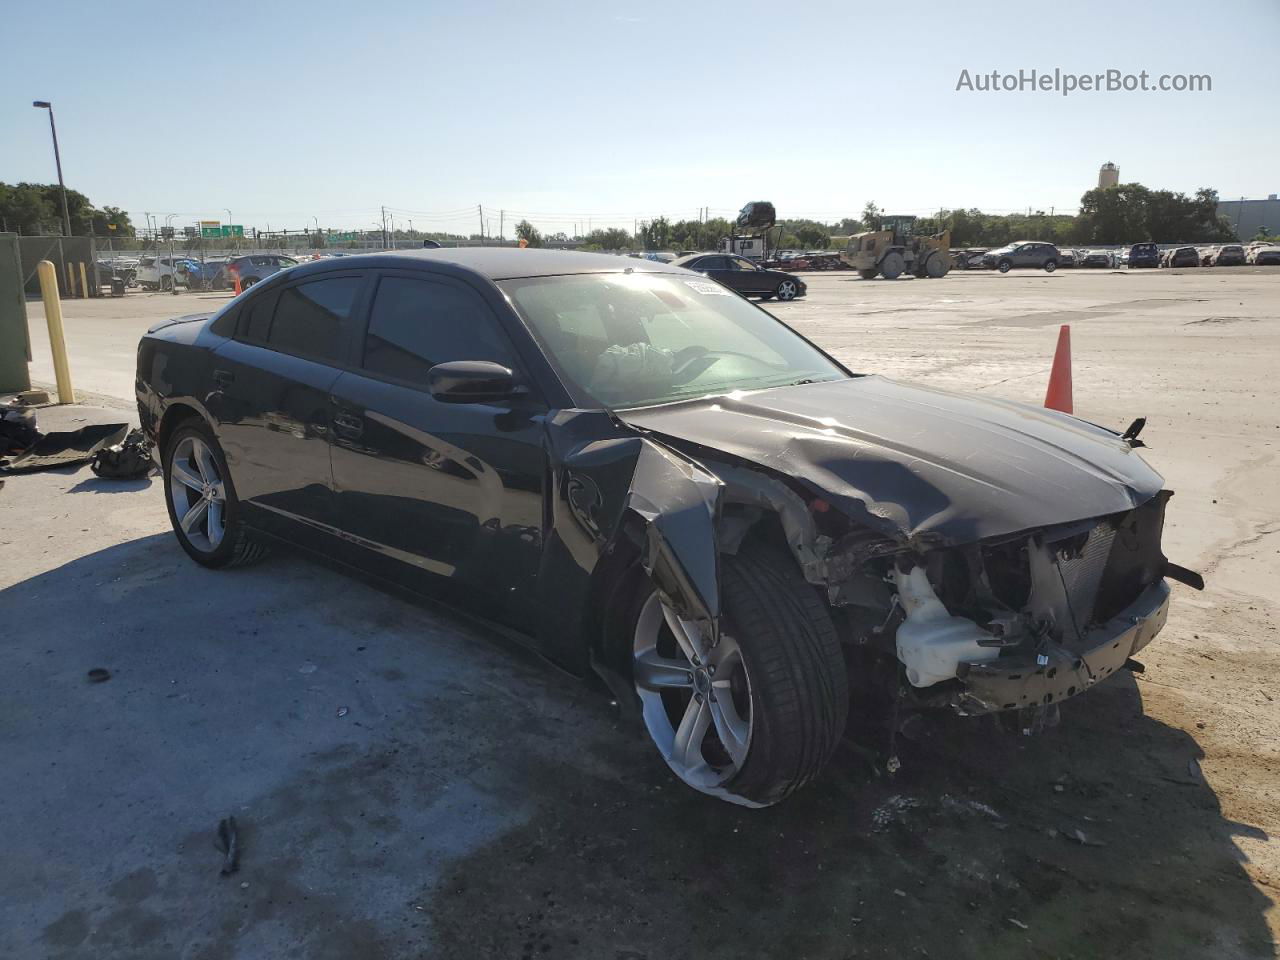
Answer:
(1126, 213)
(36, 208)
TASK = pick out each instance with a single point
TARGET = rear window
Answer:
(311, 319)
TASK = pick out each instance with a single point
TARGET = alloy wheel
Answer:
(695, 696)
(198, 494)
(787, 290)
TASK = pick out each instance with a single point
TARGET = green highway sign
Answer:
(335, 238)
(232, 230)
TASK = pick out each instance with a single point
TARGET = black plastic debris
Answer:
(99, 675)
(128, 460)
(229, 843)
(65, 448)
(18, 430)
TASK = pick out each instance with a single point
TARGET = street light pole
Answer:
(57, 158)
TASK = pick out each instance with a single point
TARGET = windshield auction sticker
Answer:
(706, 286)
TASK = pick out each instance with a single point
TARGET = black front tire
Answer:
(799, 681)
(1004, 266)
(1050, 266)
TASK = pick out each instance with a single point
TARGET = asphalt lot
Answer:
(410, 785)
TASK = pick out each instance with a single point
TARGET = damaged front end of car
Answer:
(1031, 619)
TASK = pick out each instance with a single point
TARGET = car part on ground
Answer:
(65, 448)
(128, 460)
(646, 434)
(896, 248)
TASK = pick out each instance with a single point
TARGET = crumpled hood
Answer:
(915, 463)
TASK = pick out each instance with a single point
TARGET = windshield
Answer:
(635, 339)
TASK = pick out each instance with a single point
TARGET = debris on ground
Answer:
(229, 843)
(128, 460)
(1018, 923)
(17, 430)
(342, 711)
(99, 675)
(1081, 838)
(65, 448)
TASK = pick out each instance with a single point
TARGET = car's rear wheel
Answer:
(202, 502)
(1050, 266)
(755, 715)
(787, 290)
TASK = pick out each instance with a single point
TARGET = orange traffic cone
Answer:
(236, 286)
(1058, 396)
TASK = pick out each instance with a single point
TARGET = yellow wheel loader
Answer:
(896, 249)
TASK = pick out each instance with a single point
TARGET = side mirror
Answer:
(471, 381)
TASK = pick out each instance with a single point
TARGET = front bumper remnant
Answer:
(1010, 683)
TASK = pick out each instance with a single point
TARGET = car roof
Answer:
(506, 263)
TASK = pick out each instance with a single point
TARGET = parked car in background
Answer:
(1181, 257)
(208, 274)
(1261, 254)
(1026, 254)
(1227, 255)
(741, 275)
(968, 259)
(647, 476)
(160, 272)
(1068, 259)
(1144, 255)
(257, 267)
(1098, 259)
(125, 268)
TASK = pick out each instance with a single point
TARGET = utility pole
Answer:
(57, 159)
(384, 227)
(502, 224)
(480, 211)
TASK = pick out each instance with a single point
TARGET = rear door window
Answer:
(313, 319)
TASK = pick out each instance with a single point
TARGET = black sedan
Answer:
(653, 480)
(741, 275)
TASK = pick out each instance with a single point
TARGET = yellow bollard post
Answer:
(57, 340)
(84, 280)
(69, 290)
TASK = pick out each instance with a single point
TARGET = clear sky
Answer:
(564, 112)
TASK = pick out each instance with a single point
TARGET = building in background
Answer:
(1108, 176)
(1247, 217)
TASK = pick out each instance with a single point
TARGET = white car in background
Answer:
(157, 273)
